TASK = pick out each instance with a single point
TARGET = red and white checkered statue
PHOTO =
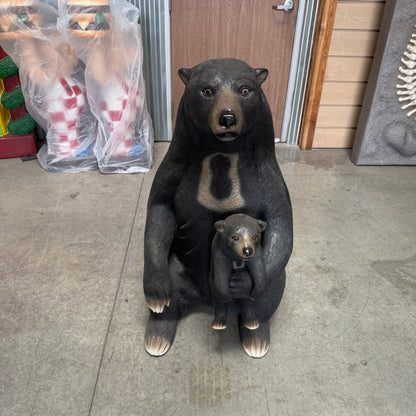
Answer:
(52, 83)
(96, 114)
(106, 36)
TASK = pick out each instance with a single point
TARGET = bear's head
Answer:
(223, 99)
(240, 235)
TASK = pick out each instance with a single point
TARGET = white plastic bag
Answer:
(106, 37)
(52, 82)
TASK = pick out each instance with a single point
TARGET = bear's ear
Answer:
(219, 226)
(261, 75)
(185, 75)
(262, 225)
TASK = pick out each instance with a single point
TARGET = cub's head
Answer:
(223, 98)
(241, 234)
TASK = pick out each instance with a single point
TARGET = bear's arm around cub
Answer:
(160, 229)
(277, 239)
(258, 274)
(277, 246)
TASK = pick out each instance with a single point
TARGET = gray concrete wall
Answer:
(385, 134)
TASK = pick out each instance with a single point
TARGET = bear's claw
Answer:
(251, 324)
(219, 324)
(160, 332)
(255, 342)
(156, 346)
(157, 305)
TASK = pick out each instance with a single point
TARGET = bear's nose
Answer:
(227, 120)
(248, 251)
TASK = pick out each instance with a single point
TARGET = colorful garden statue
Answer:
(12, 103)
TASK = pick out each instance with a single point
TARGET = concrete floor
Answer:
(72, 313)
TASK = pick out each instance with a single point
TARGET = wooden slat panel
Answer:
(343, 93)
(349, 64)
(338, 116)
(322, 39)
(348, 69)
(353, 43)
(334, 138)
(359, 15)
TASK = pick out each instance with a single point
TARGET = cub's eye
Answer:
(245, 91)
(207, 92)
(255, 238)
(235, 237)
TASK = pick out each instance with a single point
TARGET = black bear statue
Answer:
(221, 161)
(237, 246)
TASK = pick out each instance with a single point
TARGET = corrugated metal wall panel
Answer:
(155, 24)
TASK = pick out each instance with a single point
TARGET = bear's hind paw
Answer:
(156, 346)
(255, 342)
(160, 333)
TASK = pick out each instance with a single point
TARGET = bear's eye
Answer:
(235, 237)
(254, 238)
(207, 92)
(245, 91)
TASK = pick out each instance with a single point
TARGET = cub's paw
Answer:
(219, 324)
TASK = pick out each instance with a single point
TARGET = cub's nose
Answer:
(227, 120)
(248, 251)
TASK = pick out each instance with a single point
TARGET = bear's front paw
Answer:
(158, 296)
(257, 292)
(157, 305)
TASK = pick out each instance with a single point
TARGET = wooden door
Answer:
(250, 30)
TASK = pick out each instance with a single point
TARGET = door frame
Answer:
(303, 92)
(299, 71)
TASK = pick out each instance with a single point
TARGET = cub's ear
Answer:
(219, 226)
(185, 74)
(261, 75)
(262, 225)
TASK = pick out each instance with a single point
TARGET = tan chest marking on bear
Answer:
(205, 197)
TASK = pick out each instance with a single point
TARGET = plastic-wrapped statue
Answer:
(106, 36)
(52, 83)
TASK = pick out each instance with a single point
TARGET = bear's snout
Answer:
(248, 252)
(227, 120)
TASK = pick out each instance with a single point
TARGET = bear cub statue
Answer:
(236, 246)
(221, 162)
